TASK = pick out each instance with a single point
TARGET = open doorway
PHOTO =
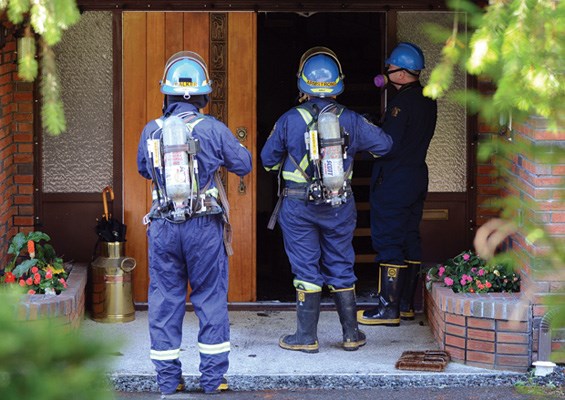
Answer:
(358, 40)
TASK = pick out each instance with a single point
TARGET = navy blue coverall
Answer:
(399, 180)
(318, 238)
(192, 252)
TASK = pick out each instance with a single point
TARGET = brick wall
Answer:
(491, 330)
(16, 148)
(66, 308)
(543, 186)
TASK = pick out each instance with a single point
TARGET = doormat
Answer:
(429, 360)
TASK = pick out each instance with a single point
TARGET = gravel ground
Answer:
(550, 385)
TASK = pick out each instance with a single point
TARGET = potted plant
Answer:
(468, 273)
(34, 265)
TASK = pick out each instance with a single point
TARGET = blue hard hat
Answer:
(186, 74)
(319, 73)
(407, 55)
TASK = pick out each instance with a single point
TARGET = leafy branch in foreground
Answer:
(47, 19)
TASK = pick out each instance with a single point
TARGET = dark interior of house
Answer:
(357, 39)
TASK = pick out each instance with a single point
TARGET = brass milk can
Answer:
(112, 299)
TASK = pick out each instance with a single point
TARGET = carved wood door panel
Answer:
(227, 41)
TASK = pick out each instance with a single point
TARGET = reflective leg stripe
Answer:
(163, 355)
(412, 262)
(306, 286)
(214, 348)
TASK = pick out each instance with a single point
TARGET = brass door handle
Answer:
(241, 133)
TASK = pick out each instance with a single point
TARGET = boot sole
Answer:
(386, 322)
(407, 315)
(352, 346)
(305, 348)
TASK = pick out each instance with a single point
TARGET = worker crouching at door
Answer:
(181, 153)
(312, 147)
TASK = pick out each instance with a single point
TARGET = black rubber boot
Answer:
(387, 312)
(409, 290)
(345, 303)
(307, 314)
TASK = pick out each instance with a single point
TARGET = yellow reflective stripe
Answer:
(293, 176)
(213, 348)
(374, 155)
(305, 114)
(212, 192)
(304, 162)
(306, 286)
(412, 262)
(273, 168)
(164, 354)
(192, 124)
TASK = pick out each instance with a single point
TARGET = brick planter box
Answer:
(491, 330)
(67, 307)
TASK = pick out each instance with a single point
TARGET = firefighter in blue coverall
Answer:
(399, 184)
(189, 248)
(318, 235)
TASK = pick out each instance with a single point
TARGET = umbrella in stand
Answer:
(109, 229)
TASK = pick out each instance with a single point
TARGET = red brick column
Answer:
(16, 148)
(542, 184)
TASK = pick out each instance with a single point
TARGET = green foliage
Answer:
(468, 273)
(48, 19)
(48, 361)
(517, 44)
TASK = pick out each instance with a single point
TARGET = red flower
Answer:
(22, 283)
(9, 278)
(34, 270)
(31, 291)
(62, 280)
(36, 279)
(48, 274)
(29, 281)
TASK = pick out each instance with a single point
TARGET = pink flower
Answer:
(29, 281)
(441, 270)
(463, 281)
(480, 285)
(48, 274)
(448, 281)
(31, 291)
(62, 280)
(474, 270)
(481, 272)
(488, 284)
(34, 270)
(22, 283)
(466, 257)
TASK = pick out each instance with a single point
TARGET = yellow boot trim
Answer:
(363, 321)
(223, 386)
(306, 348)
(407, 314)
(354, 345)
(334, 290)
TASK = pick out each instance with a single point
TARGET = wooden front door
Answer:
(227, 41)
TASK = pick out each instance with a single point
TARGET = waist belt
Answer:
(210, 206)
(299, 193)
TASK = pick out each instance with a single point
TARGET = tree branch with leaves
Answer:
(43, 22)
